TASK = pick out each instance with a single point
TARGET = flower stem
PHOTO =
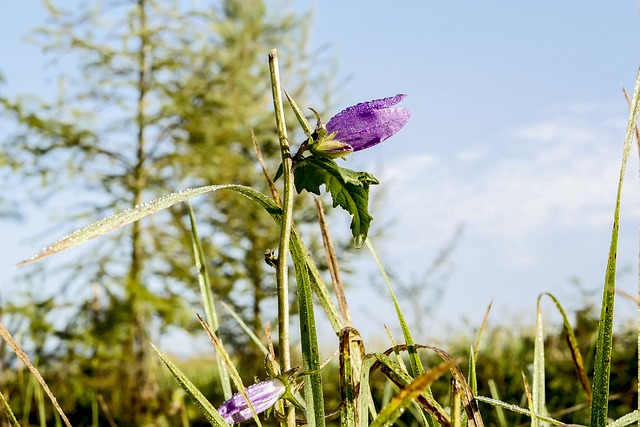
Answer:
(282, 271)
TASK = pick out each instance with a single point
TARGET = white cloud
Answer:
(560, 171)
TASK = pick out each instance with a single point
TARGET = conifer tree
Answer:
(166, 96)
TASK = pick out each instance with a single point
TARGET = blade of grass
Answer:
(637, 131)
(468, 398)
(272, 186)
(456, 408)
(365, 404)
(245, 328)
(120, 219)
(42, 410)
(205, 407)
(416, 364)
(332, 262)
(233, 372)
(538, 392)
(349, 378)
(282, 269)
(473, 379)
(414, 408)
(207, 299)
(502, 420)
(482, 328)
(602, 371)
(308, 341)
(128, 216)
(8, 411)
(518, 410)
(626, 420)
(399, 376)
(304, 123)
(573, 347)
(527, 393)
(25, 359)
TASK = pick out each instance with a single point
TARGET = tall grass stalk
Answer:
(602, 372)
(282, 270)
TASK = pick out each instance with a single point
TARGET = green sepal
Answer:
(349, 190)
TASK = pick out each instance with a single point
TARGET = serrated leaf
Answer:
(348, 189)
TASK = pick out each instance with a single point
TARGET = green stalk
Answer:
(282, 270)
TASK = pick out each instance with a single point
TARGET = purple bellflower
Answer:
(366, 124)
(263, 395)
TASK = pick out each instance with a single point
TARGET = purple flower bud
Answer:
(263, 395)
(369, 123)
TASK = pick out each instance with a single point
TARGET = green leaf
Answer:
(349, 190)
(210, 413)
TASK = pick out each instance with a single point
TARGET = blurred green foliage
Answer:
(161, 96)
(504, 354)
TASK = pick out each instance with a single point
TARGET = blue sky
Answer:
(516, 134)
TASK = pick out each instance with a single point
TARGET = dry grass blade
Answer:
(527, 392)
(272, 185)
(408, 394)
(399, 377)
(628, 296)
(205, 407)
(25, 359)
(482, 327)
(230, 366)
(106, 411)
(468, 398)
(332, 262)
(572, 342)
(626, 96)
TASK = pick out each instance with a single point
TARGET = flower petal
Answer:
(369, 123)
(262, 395)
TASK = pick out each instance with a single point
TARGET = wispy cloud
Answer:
(536, 202)
(559, 171)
